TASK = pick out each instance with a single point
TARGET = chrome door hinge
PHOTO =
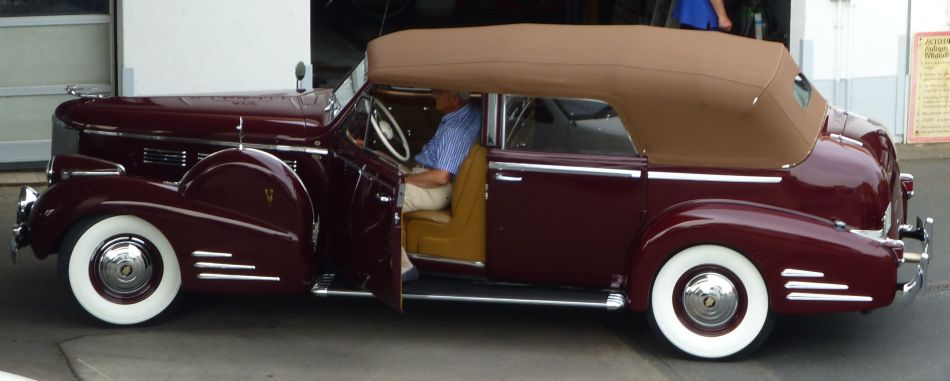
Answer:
(486, 191)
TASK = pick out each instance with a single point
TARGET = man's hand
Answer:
(432, 178)
(725, 24)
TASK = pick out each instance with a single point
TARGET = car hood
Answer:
(268, 117)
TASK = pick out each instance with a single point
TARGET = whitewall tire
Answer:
(120, 269)
(711, 302)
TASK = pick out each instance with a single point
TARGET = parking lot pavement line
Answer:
(93, 369)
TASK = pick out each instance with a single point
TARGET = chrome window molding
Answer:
(424, 257)
(682, 176)
(796, 273)
(223, 266)
(797, 285)
(272, 147)
(491, 122)
(544, 168)
(209, 254)
(213, 276)
(810, 297)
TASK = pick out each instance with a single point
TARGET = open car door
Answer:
(365, 203)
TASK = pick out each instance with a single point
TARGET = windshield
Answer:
(349, 87)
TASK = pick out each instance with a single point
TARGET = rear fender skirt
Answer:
(774, 240)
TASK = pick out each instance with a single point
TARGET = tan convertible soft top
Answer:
(687, 97)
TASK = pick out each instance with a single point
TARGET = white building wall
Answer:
(210, 46)
(855, 51)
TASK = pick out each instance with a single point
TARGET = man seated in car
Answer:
(429, 186)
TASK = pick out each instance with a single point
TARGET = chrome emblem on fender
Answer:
(269, 195)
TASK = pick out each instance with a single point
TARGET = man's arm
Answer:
(724, 22)
(432, 178)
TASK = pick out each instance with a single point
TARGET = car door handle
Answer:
(501, 177)
(383, 198)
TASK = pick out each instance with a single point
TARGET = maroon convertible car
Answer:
(696, 177)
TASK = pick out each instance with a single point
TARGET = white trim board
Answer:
(23, 91)
(19, 151)
(8, 22)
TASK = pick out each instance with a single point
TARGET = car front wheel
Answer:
(711, 302)
(119, 269)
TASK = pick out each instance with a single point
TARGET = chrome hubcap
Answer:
(124, 266)
(710, 300)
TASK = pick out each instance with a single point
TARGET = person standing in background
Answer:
(702, 15)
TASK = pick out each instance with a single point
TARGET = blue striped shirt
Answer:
(454, 137)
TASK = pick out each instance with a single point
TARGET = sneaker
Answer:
(410, 275)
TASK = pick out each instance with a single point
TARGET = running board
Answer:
(459, 290)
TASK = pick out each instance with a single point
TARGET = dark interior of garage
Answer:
(340, 29)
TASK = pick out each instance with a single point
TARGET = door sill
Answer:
(445, 289)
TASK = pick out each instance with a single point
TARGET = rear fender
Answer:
(774, 240)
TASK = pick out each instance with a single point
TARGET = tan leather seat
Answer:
(458, 232)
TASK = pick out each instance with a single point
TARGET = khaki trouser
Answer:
(418, 198)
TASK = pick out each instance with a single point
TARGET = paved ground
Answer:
(214, 337)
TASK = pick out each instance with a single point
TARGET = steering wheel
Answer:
(387, 128)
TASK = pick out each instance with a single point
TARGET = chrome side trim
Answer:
(109, 172)
(796, 273)
(809, 297)
(544, 168)
(845, 139)
(212, 276)
(430, 258)
(222, 266)
(273, 147)
(796, 285)
(615, 302)
(209, 254)
(659, 175)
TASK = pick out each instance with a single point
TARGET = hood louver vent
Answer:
(164, 157)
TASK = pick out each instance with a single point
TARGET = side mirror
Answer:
(300, 72)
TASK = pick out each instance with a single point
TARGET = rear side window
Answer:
(802, 90)
(564, 125)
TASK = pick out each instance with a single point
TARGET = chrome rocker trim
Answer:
(323, 287)
(923, 232)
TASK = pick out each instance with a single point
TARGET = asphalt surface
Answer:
(303, 337)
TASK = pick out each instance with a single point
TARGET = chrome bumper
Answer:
(21, 230)
(923, 232)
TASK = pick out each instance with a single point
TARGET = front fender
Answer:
(775, 240)
(189, 224)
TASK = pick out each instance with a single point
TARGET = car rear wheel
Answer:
(120, 269)
(711, 302)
